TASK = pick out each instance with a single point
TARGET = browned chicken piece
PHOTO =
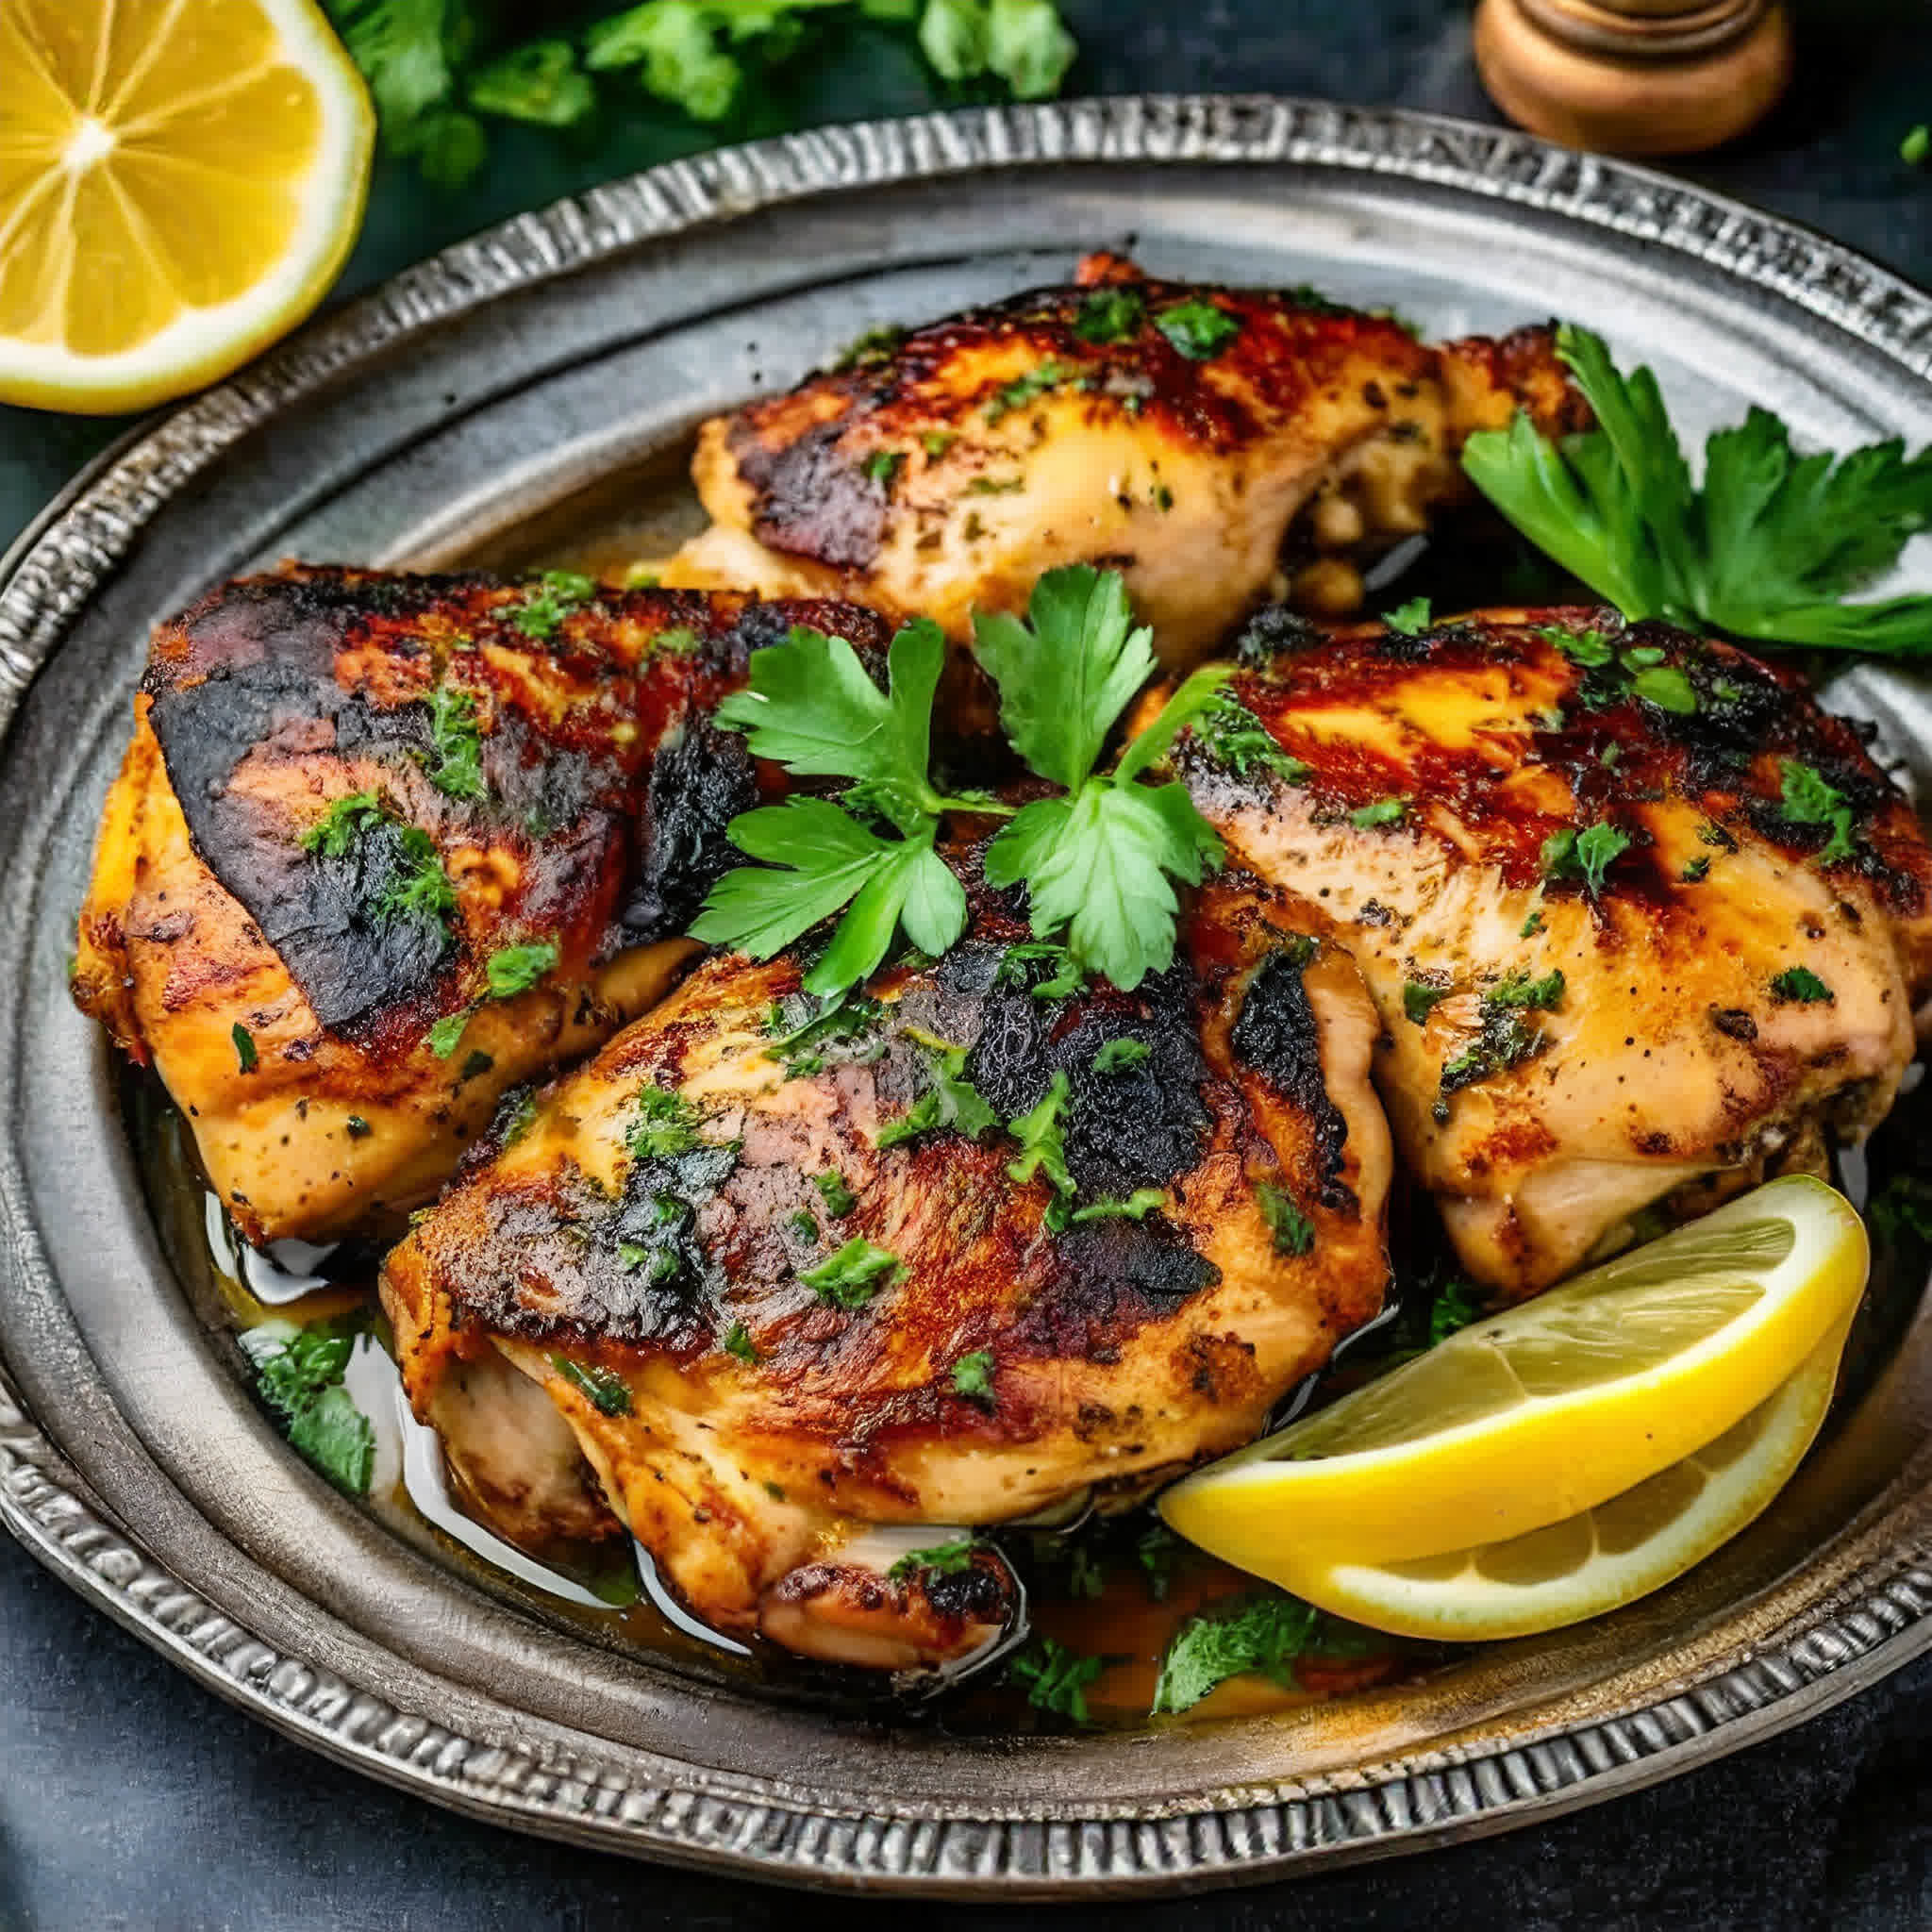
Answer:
(1177, 432)
(818, 1290)
(384, 846)
(1644, 924)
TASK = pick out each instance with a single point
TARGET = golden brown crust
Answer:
(948, 469)
(1676, 1051)
(757, 1414)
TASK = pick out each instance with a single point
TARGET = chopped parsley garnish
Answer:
(358, 1129)
(1117, 1055)
(1384, 812)
(936, 443)
(476, 1063)
(1294, 1233)
(1061, 978)
(1455, 1305)
(1098, 862)
(1111, 315)
(666, 1125)
(1696, 870)
(1056, 1677)
(868, 351)
(1198, 329)
(951, 1101)
(973, 1377)
(1801, 987)
(334, 835)
(1809, 800)
(1410, 618)
(1519, 990)
(298, 1374)
(802, 1223)
(1532, 925)
(556, 594)
(882, 466)
(1588, 648)
(1419, 1000)
(838, 1197)
(1040, 1132)
(737, 1342)
(244, 1047)
(853, 1276)
(941, 1560)
(1265, 1635)
(1587, 855)
(518, 1115)
(1667, 688)
(1028, 387)
(843, 1027)
(447, 1034)
(455, 745)
(512, 969)
(1768, 547)
(1136, 1207)
(995, 486)
(1234, 736)
(606, 1389)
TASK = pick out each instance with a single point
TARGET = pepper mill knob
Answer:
(1634, 76)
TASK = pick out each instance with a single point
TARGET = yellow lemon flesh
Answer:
(180, 181)
(1540, 1413)
(1602, 1559)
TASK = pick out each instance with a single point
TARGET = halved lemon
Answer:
(1548, 1410)
(179, 182)
(1602, 1559)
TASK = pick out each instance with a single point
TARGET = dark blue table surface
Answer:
(128, 1797)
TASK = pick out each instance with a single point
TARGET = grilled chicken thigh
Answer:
(1643, 924)
(383, 846)
(814, 1291)
(1170, 430)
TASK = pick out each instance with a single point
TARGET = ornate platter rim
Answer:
(397, 1722)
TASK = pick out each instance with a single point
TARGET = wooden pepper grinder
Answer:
(1634, 76)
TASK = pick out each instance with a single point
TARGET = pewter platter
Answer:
(540, 381)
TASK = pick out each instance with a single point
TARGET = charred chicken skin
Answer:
(384, 846)
(1643, 924)
(1178, 433)
(817, 1290)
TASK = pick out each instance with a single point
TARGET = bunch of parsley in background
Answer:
(438, 69)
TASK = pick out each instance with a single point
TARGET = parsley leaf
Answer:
(1234, 736)
(1056, 1677)
(973, 1377)
(1411, 619)
(1198, 329)
(1456, 1305)
(1587, 855)
(1384, 812)
(512, 969)
(666, 1125)
(838, 1197)
(1294, 1233)
(1117, 1055)
(1136, 1207)
(941, 1560)
(607, 1392)
(738, 1342)
(335, 833)
(951, 1101)
(1111, 315)
(1768, 547)
(1035, 383)
(298, 1374)
(1808, 800)
(1799, 985)
(455, 744)
(851, 1279)
(1419, 1000)
(245, 1054)
(1265, 1635)
(1589, 648)
(1040, 1132)
(554, 596)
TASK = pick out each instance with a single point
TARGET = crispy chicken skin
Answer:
(284, 1005)
(1731, 992)
(648, 1261)
(1064, 425)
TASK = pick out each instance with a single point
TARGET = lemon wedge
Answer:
(1602, 1559)
(1543, 1412)
(179, 182)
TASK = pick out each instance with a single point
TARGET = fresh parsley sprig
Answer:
(1098, 861)
(1768, 548)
